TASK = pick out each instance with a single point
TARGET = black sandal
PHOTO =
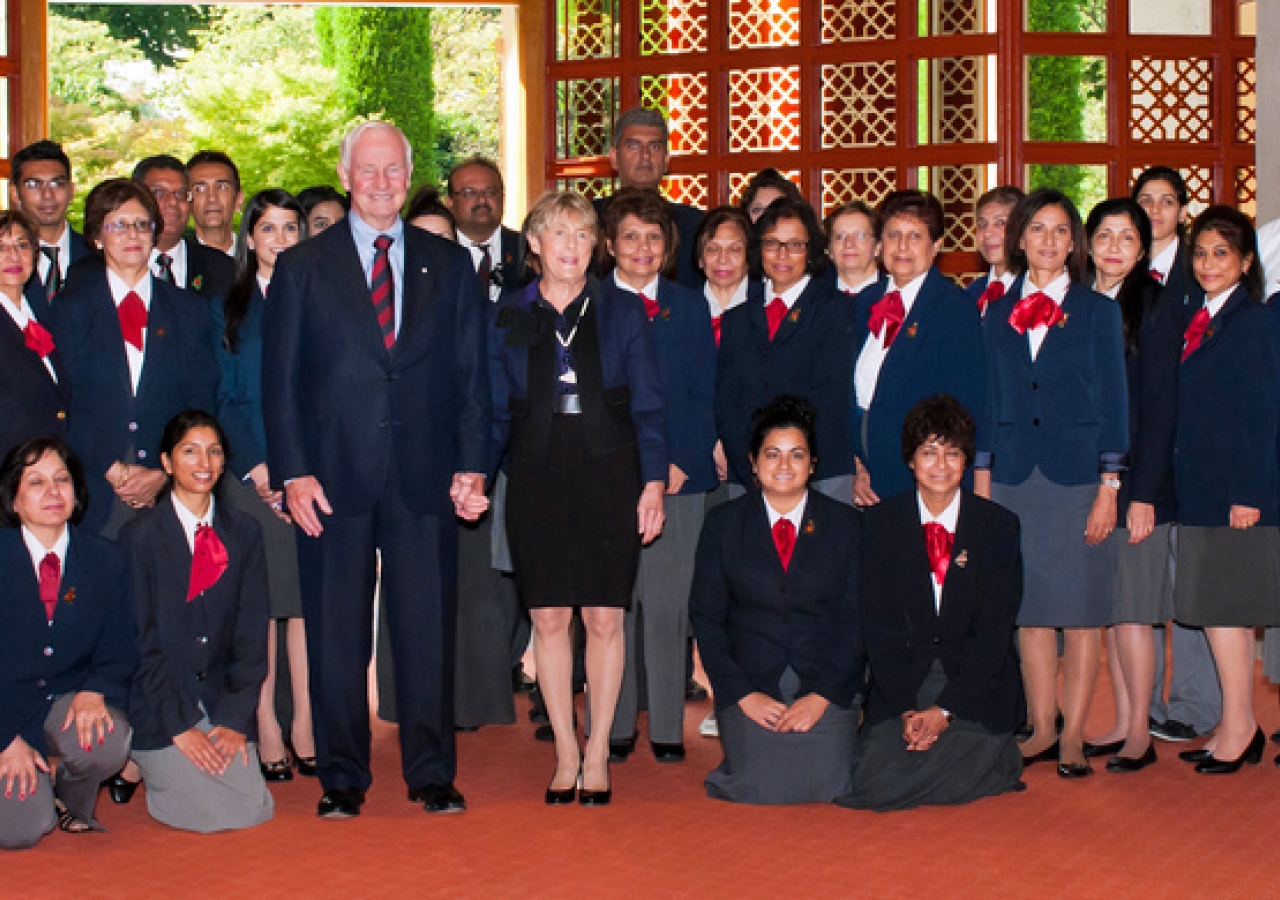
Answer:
(280, 770)
(68, 822)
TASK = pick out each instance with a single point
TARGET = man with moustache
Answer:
(476, 197)
(215, 197)
(42, 188)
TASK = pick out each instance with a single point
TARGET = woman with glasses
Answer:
(853, 243)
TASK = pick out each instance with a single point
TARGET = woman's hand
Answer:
(920, 730)
(649, 512)
(804, 713)
(1244, 516)
(88, 712)
(228, 743)
(1140, 521)
(196, 746)
(467, 493)
(1102, 516)
(20, 765)
(762, 709)
(136, 486)
(862, 493)
(675, 479)
(261, 480)
(721, 461)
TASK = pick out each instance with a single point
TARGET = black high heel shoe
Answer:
(306, 765)
(563, 797)
(1251, 755)
(596, 798)
(120, 788)
(280, 770)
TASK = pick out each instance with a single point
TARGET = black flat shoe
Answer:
(439, 798)
(120, 788)
(693, 691)
(340, 803)
(1074, 770)
(565, 796)
(1108, 749)
(280, 770)
(620, 750)
(668, 753)
(1195, 756)
(1275, 737)
(1119, 763)
(1251, 755)
(1048, 754)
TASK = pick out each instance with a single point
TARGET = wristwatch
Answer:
(1111, 481)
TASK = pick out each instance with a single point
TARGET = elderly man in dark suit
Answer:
(42, 188)
(376, 399)
(176, 258)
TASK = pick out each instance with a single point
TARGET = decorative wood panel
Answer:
(859, 104)
(763, 23)
(870, 186)
(764, 109)
(682, 98)
(1246, 100)
(850, 20)
(673, 26)
(1171, 100)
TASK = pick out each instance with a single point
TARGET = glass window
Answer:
(1171, 17)
(952, 96)
(1247, 18)
(1066, 98)
(1085, 184)
(1067, 16)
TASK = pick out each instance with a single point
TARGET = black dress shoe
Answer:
(1048, 754)
(1275, 737)
(668, 753)
(1195, 756)
(120, 789)
(439, 798)
(1251, 755)
(520, 682)
(1119, 763)
(307, 766)
(1109, 749)
(465, 729)
(1172, 730)
(563, 796)
(280, 770)
(595, 798)
(340, 803)
(620, 750)
(694, 691)
(1074, 770)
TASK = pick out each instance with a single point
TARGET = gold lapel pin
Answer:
(962, 558)
(915, 327)
(809, 527)
(70, 596)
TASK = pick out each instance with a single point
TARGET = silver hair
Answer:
(639, 117)
(353, 136)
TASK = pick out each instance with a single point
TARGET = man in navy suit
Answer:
(42, 188)
(476, 198)
(376, 400)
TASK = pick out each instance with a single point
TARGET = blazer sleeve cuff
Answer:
(983, 459)
(1111, 463)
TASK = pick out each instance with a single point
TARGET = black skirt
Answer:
(571, 521)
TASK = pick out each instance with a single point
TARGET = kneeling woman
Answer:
(200, 596)
(940, 590)
(775, 613)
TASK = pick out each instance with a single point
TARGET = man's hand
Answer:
(306, 500)
(467, 494)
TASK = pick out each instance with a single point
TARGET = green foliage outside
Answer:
(160, 32)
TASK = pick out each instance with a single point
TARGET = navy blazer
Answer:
(1229, 418)
(32, 404)
(240, 384)
(34, 288)
(975, 288)
(687, 220)
(686, 351)
(211, 651)
(514, 274)
(108, 421)
(808, 357)
(339, 406)
(971, 632)
(628, 369)
(89, 646)
(1066, 411)
(938, 350)
(753, 619)
(210, 272)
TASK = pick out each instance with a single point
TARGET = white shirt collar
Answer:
(948, 517)
(650, 289)
(860, 286)
(63, 243)
(1113, 291)
(38, 551)
(230, 251)
(21, 313)
(790, 295)
(190, 521)
(119, 288)
(739, 297)
(1215, 304)
(1164, 262)
(795, 517)
(493, 242)
(909, 291)
(1006, 279)
(1055, 290)
(177, 261)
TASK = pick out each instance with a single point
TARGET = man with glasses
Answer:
(42, 188)
(476, 198)
(215, 197)
(177, 259)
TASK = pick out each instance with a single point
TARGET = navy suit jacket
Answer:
(35, 287)
(632, 385)
(88, 647)
(686, 350)
(938, 350)
(752, 618)
(211, 651)
(210, 272)
(687, 219)
(339, 406)
(808, 357)
(975, 288)
(32, 404)
(1229, 418)
(108, 421)
(1066, 411)
(240, 385)
(971, 632)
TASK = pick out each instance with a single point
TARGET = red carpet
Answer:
(1165, 832)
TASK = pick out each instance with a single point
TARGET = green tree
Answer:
(162, 33)
(467, 83)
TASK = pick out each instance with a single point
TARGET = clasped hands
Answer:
(775, 715)
(214, 751)
(922, 728)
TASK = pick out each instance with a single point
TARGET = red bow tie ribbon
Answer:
(38, 339)
(784, 538)
(1194, 334)
(133, 319)
(887, 315)
(1033, 311)
(939, 542)
(208, 561)
(993, 292)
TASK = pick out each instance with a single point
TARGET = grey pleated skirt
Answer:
(1228, 577)
(1066, 583)
(1144, 577)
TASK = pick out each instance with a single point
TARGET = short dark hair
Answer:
(1002, 194)
(1235, 228)
(648, 206)
(914, 204)
(312, 197)
(13, 218)
(800, 211)
(215, 157)
(27, 454)
(1020, 218)
(180, 425)
(639, 117)
(106, 198)
(784, 411)
(711, 222)
(940, 418)
(40, 151)
(482, 161)
(768, 178)
(160, 163)
(1163, 173)
(426, 202)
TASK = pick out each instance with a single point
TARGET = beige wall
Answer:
(1268, 146)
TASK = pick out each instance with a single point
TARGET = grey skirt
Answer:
(1067, 584)
(1228, 577)
(1144, 577)
(279, 545)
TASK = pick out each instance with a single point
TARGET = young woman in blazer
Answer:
(200, 598)
(67, 651)
(1056, 440)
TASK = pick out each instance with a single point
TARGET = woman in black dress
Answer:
(578, 410)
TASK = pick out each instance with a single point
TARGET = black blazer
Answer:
(35, 287)
(32, 404)
(89, 646)
(210, 272)
(752, 619)
(210, 651)
(972, 633)
(509, 272)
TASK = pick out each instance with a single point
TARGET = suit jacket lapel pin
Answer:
(160, 331)
(795, 315)
(962, 558)
(913, 330)
(69, 597)
(1062, 323)
(197, 283)
(1208, 333)
(666, 313)
(424, 270)
(809, 527)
